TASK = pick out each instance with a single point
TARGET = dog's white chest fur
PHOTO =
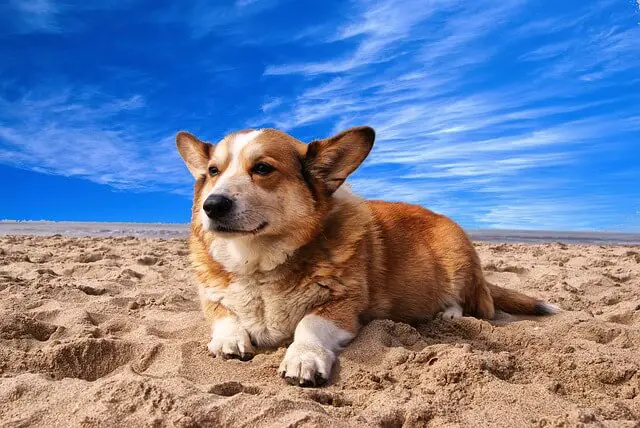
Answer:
(268, 310)
(247, 255)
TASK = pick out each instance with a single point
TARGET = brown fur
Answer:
(349, 260)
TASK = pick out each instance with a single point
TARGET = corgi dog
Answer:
(283, 253)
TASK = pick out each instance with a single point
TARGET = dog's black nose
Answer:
(217, 205)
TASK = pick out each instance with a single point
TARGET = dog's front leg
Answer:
(317, 340)
(228, 338)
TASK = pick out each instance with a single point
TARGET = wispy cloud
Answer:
(545, 215)
(203, 18)
(72, 133)
(49, 16)
(547, 52)
(501, 113)
(495, 167)
(417, 74)
(271, 104)
(33, 16)
(380, 25)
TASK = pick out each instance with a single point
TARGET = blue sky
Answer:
(500, 113)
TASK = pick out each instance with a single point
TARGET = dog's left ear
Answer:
(194, 152)
(333, 159)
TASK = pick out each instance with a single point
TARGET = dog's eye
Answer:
(262, 168)
(213, 171)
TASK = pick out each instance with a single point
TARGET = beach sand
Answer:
(108, 332)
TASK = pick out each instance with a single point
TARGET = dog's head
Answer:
(266, 182)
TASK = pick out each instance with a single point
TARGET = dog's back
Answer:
(429, 263)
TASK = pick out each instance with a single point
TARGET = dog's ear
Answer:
(194, 152)
(332, 160)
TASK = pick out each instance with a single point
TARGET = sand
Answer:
(107, 332)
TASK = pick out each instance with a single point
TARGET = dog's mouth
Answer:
(226, 229)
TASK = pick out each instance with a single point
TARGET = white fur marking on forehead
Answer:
(241, 140)
(238, 143)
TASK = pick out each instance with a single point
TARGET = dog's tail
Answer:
(514, 302)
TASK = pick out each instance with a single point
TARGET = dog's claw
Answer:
(320, 380)
(306, 365)
(291, 380)
(306, 383)
(246, 356)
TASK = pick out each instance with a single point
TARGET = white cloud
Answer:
(271, 104)
(245, 3)
(547, 52)
(75, 133)
(37, 15)
(545, 214)
(49, 16)
(492, 167)
(379, 25)
(447, 132)
(395, 191)
(203, 17)
(454, 127)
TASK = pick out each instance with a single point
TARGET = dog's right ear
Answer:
(194, 152)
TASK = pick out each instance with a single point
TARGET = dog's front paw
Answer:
(306, 365)
(230, 340)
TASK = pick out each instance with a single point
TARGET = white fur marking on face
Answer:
(313, 351)
(235, 165)
(229, 338)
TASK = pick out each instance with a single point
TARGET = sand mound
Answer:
(107, 332)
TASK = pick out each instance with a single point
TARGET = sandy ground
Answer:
(107, 332)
